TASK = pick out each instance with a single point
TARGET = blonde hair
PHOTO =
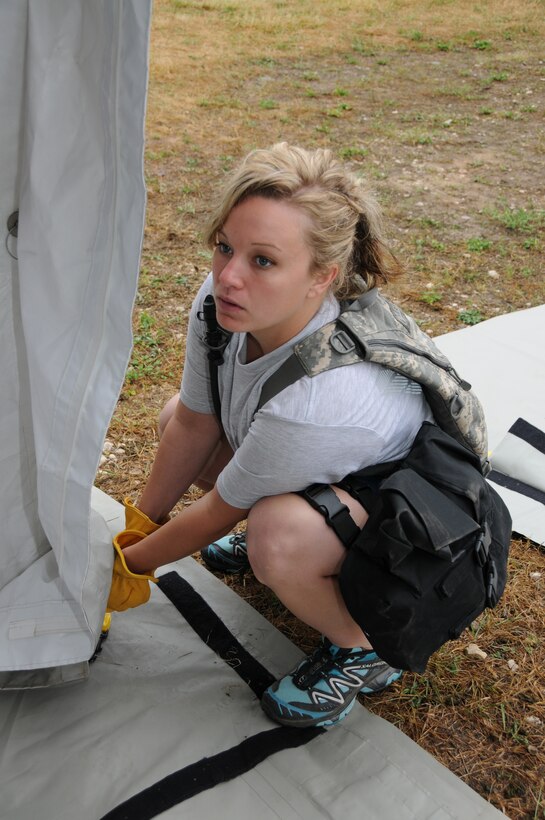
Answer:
(345, 220)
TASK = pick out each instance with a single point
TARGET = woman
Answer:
(293, 234)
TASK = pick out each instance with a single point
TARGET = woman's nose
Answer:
(231, 275)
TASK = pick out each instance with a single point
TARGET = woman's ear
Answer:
(322, 280)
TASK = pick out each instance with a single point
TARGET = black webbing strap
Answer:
(527, 432)
(289, 372)
(516, 486)
(211, 629)
(210, 771)
(336, 514)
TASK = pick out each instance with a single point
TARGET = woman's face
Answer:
(261, 265)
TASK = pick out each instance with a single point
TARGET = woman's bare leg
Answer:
(294, 552)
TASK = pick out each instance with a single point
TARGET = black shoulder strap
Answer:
(289, 372)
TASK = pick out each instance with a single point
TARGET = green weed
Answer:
(499, 77)
(472, 316)
(339, 110)
(267, 104)
(463, 92)
(352, 153)
(430, 297)
(415, 136)
(145, 360)
(520, 220)
(361, 48)
(478, 244)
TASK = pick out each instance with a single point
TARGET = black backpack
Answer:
(433, 554)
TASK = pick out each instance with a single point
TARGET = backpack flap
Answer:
(414, 515)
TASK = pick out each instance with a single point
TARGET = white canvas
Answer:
(71, 147)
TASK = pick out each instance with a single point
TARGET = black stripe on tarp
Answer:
(516, 485)
(527, 432)
(211, 629)
(210, 771)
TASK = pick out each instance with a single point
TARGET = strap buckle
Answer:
(337, 515)
(341, 342)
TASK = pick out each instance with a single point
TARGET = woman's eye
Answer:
(223, 247)
(263, 262)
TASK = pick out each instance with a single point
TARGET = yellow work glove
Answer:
(135, 519)
(129, 589)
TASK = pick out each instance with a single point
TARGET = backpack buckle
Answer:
(341, 342)
(492, 596)
(482, 548)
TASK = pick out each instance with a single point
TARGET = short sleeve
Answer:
(281, 455)
(195, 390)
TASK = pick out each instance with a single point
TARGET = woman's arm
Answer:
(206, 520)
(187, 443)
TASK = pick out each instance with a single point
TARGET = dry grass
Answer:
(440, 105)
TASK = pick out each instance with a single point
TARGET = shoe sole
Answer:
(304, 721)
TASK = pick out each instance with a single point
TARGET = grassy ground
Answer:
(440, 105)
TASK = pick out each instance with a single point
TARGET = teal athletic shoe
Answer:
(322, 689)
(228, 555)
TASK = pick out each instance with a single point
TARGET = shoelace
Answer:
(239, 540)
(316, 666)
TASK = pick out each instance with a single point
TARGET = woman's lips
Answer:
(227, 306)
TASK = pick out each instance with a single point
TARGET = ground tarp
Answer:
(169, 723)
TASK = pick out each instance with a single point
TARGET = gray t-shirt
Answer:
(316, 430)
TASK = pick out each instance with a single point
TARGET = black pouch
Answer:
(432, 555)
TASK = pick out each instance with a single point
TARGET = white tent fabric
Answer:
(71, 145)
(504, 360)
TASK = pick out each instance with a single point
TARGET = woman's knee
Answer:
(286, 535)
(275, 537)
